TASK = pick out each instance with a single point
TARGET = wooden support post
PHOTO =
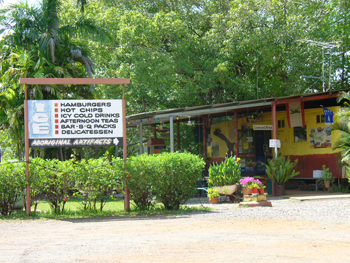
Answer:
(236, 134)
(125, 155)
(204, 119)
(26, 131)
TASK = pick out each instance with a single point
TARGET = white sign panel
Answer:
(262, 127)
(55, 123)
(249, 139)
(274, 143)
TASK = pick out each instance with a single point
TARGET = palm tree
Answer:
(341, 123)
(34, 45)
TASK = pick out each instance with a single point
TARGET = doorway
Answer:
(262, 150)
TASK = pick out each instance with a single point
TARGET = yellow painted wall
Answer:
(285, 135)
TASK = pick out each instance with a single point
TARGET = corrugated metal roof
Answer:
(155, 117)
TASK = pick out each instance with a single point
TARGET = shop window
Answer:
(300, 134)
(280, 124)
(320, 119)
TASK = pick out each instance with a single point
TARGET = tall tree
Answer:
(34, 44)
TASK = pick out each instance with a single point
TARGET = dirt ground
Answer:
(173, 239)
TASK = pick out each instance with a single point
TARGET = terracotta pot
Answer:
(214, 200)
(261, 191)
(254, 190)
(327, 184)
(247, 191)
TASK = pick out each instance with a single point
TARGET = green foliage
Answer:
(254, 185)
(327, 175)
(36, 171)
(12, 184)
(341, 123)
(341, 188)
(56, 181)
(175, 178)
(168, 177)
(140, 180)
(213, 193)
(227, 172)
(98, 179)
(280, 169)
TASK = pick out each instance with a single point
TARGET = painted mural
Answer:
(320, 137)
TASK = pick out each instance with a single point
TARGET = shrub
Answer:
(12, 184)
(227, 172)
(56, 180)
(97, 179)
(140, 180)
(280, 169)
(36, 168)
(176, 176)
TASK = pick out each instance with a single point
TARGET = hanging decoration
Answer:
(328, 116)
(295, 114)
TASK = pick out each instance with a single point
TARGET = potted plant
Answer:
(280, 170)
(213, 196)
(245, 183)
(254, 186)
(261, 188)
(327, 176)
(224, 177)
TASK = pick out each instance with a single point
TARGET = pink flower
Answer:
(118, 189)
(127, 175)
(65, 199)
(246, 181)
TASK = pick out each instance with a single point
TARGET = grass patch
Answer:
(114, 208)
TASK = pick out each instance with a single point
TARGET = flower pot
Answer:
(214, 200)
(247, 191)
(280, 189)
(327, 184)
(254, 190)
(261, 191)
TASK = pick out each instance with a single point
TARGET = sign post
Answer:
(26, 141)
(74, 123)
(274, 143)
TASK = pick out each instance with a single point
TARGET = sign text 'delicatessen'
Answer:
(75, 123)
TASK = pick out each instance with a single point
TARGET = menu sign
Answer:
(73, 123)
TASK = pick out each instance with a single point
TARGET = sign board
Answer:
(262, 127)
(75, 123)
(249, 139)
(274, 143)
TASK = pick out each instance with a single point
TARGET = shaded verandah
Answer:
(270, 106)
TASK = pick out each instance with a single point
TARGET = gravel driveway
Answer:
(289, 231)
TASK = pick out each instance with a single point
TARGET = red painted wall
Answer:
(308, 163)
